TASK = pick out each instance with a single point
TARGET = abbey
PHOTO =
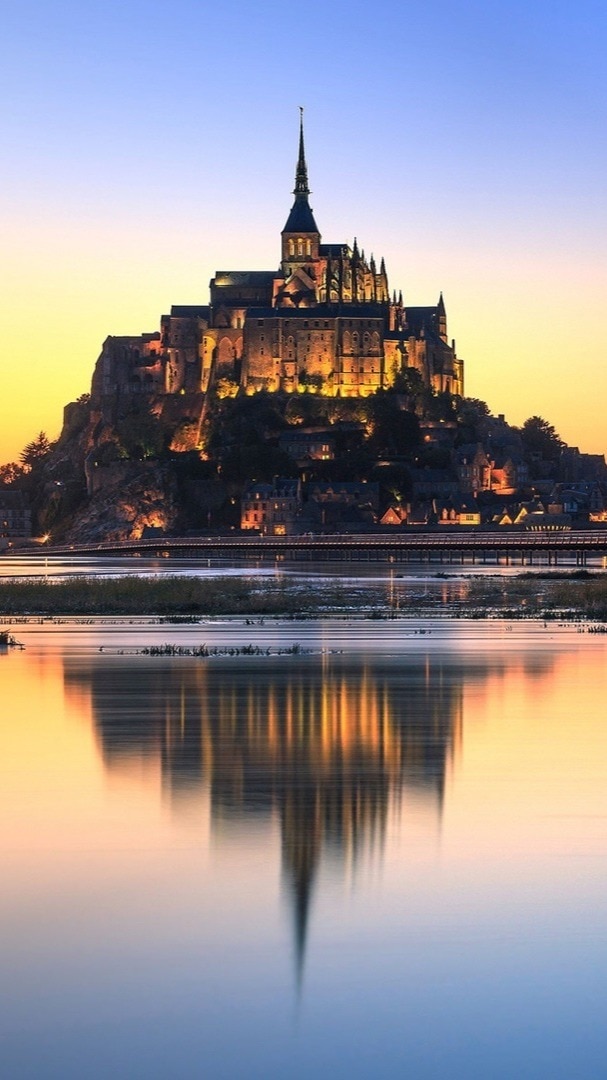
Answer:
(323, 322)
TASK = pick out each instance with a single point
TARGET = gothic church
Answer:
(324, 323)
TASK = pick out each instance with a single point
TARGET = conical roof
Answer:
(301, 218)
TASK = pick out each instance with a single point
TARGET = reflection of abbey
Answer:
(323, 321)
(324, 745)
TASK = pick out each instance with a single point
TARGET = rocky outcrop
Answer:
(126, 498)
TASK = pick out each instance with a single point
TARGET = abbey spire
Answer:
(300, 236)
(301, 173)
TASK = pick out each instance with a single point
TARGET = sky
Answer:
(148, 143)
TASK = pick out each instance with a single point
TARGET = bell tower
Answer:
(300, 236)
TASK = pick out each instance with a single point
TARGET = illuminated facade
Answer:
(323, 322)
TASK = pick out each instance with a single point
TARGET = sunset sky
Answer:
(147, 143)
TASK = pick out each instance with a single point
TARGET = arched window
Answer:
(291, 247)
(308, 247)
(300, 248)
(225, 352)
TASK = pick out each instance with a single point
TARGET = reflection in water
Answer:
(323, 743)
(133, 946)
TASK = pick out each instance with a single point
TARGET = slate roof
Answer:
(243, 277)
(334, 250)
(279, 489)
(320, 311)
(419, 318)
(185, 311)
(301, 218)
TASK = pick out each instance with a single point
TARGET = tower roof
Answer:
(301, 218)
(301, 173)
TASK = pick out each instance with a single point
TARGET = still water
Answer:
(381, 855)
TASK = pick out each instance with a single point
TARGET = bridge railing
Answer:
(571, 541)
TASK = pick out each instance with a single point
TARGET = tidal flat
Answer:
(574, 595)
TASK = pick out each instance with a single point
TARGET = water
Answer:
(382, 856)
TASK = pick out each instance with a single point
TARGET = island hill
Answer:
(308, 398)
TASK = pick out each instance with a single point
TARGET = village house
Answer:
(308, 444)
(342, 506)
(458, 511)
(15, 517)
(395, 514)
(273, 509)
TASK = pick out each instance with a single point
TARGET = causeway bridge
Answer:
(437, 546)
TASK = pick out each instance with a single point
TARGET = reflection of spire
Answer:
(301, 852)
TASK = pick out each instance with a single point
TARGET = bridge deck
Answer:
(419, 546)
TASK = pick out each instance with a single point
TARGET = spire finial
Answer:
(301, 173)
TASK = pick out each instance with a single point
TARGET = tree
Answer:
(409, 381)
(142, 435)
(394, 431)
(255, 460)
(472, 410)
(540, 437)
(226, 388)
(438, 405)
(11, 474)
(36, 451)
(471, 414)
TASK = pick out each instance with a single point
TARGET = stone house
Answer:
(308, 444)
(15, 516)
(473, 468)
(273, 509)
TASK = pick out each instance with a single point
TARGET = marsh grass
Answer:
(527, 596)
(186, 599)
(169, 597)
